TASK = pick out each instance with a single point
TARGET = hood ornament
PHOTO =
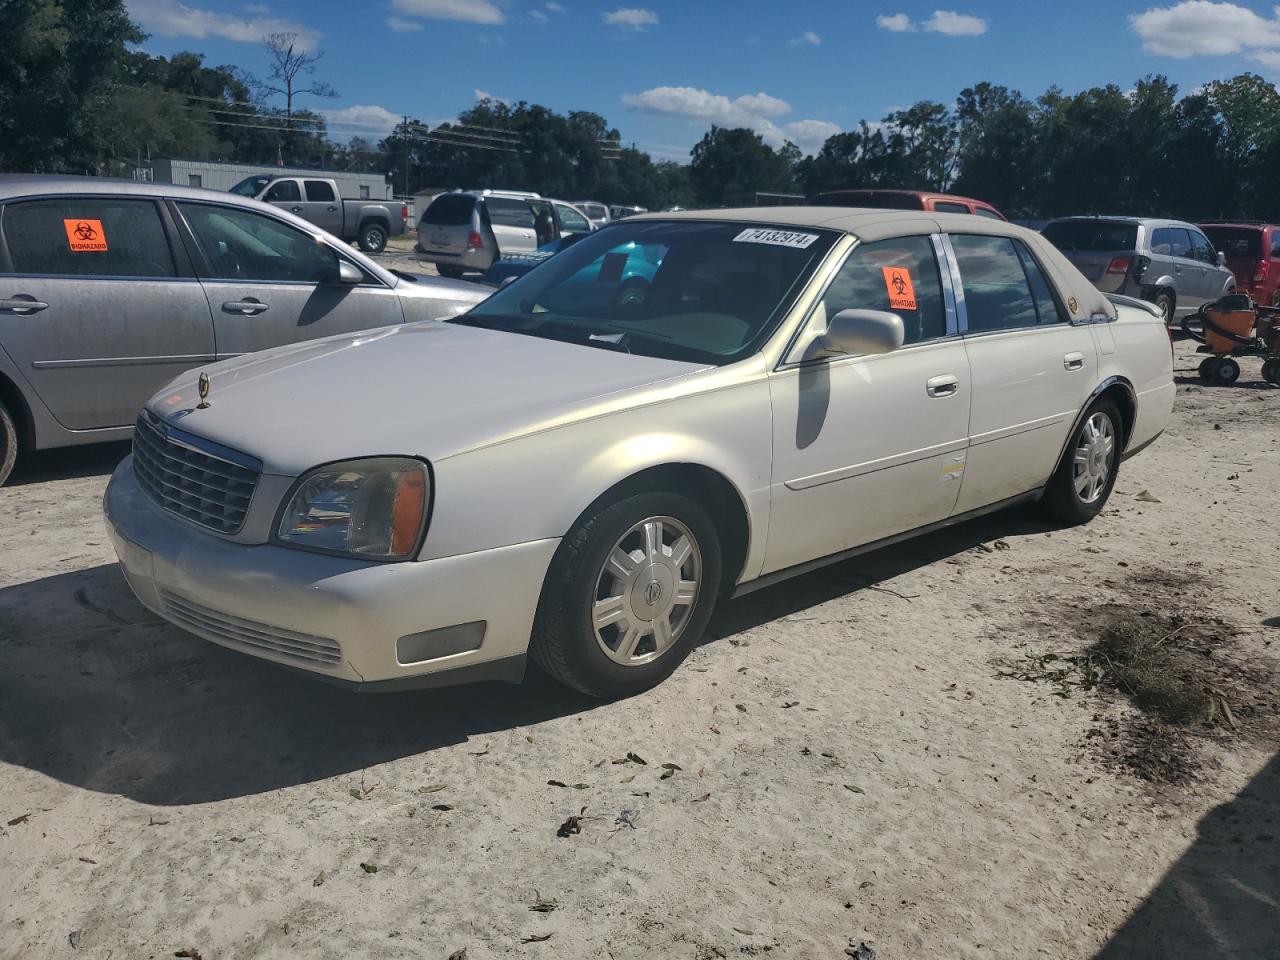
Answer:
(203, 386)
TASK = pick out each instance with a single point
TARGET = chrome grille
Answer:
(249, 635)
(206, 489)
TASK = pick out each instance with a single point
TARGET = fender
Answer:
(1098, 391)
(1164, 280)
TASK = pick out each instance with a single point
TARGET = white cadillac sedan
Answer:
(678, 408)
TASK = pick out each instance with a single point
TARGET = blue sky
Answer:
(662, 72)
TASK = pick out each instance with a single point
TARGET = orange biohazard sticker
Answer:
(902, 295)
(85, 236)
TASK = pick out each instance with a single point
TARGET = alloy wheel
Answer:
(646, 591)
(1094, 453)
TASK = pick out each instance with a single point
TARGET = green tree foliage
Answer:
(730, 166)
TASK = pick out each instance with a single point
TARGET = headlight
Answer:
(374, 509)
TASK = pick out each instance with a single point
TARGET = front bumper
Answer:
(345, 620)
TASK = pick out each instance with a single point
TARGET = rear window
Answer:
(449, 210)
(1236, 242)
(509, 213)
(946, 206)
(1092, 236)
(868, 198)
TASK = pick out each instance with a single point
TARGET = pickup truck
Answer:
(368, 222)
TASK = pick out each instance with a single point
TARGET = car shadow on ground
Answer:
(38, 466)
(95, 691)
(1222, 898)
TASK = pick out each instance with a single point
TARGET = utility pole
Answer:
(404, 127)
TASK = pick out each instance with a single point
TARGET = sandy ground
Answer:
(851, 765)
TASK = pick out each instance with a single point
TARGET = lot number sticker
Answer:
(85, 236)
(902, 295)
(779, 238)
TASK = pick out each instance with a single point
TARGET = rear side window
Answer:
(91, 237)
(1092, 236)
(900, 276)
(946, 206)
(284, 191)
(318, 191)
(450, 210)
(997, 295)
(504, 212)
(1171, 242)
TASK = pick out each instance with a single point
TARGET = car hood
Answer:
(424, 389)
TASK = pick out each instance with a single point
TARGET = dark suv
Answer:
(1252, 251)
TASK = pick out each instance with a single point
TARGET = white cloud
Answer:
(955, 24)
(808, 37)
(637, 18)
(895, 23)
(468, 11)
(1199, 27)
(754, 110)
(943, 21)
(555, 7)
(540, 15)
(169, 18)
(365, 120)
(401, 25)
(482, 95)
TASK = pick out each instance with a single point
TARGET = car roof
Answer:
(1144, 221)
(871, 224)
(1234, 225)
(921, 194)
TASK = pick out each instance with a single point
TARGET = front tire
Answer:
(373, 238)
(445, 270)
(1083, 482)
(628, 595)
(8, 444)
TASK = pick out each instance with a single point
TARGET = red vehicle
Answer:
(905, 200)
(1253, 255)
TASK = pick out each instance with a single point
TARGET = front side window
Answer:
(1201, 249)
(284, 191)
(706, 292)
(89, 237)
(997, 295)
(318, 191)
(900, 276)
(250, 186)
(1171, 242)
(243, 245)
(571, 219)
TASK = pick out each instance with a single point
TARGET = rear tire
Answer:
(445, 270)
(373, 238)
(1080, 487)
(8, 444)
(628, 595)
(1164, 303)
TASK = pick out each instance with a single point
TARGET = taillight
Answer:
(1120, 265)
(1140, 265)
(1261, 270)
(473, 241)
(404, 214)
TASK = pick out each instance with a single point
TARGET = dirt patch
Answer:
(1179, 669)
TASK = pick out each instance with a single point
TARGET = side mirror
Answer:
(1222, 259)
(861, 333)
(348, 272)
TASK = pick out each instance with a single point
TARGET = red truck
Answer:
(905, 200)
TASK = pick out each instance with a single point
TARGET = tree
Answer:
(289, 64)
(731, 166)
(57, 77)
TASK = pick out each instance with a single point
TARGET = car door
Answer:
(1212, 279)
(868, 447)
(1032, 368)
(571, 220)
(269, 283)
(97, 307)
(512, 222)
(285, 194)
(1173, 246)
(322, 206)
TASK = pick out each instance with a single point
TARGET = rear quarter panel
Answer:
(1143, 356)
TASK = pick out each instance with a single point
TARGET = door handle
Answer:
(944, 386)
(296, 209)
(23, 305)
(248, 306)
(333, 209)
(1073, 361)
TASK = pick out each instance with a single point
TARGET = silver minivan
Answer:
(470, 229)
(110, 288)
(1169, 263)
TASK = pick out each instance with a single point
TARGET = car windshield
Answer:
(1092, 236)
(708, 292)
(250, 186)
(1236, 241)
